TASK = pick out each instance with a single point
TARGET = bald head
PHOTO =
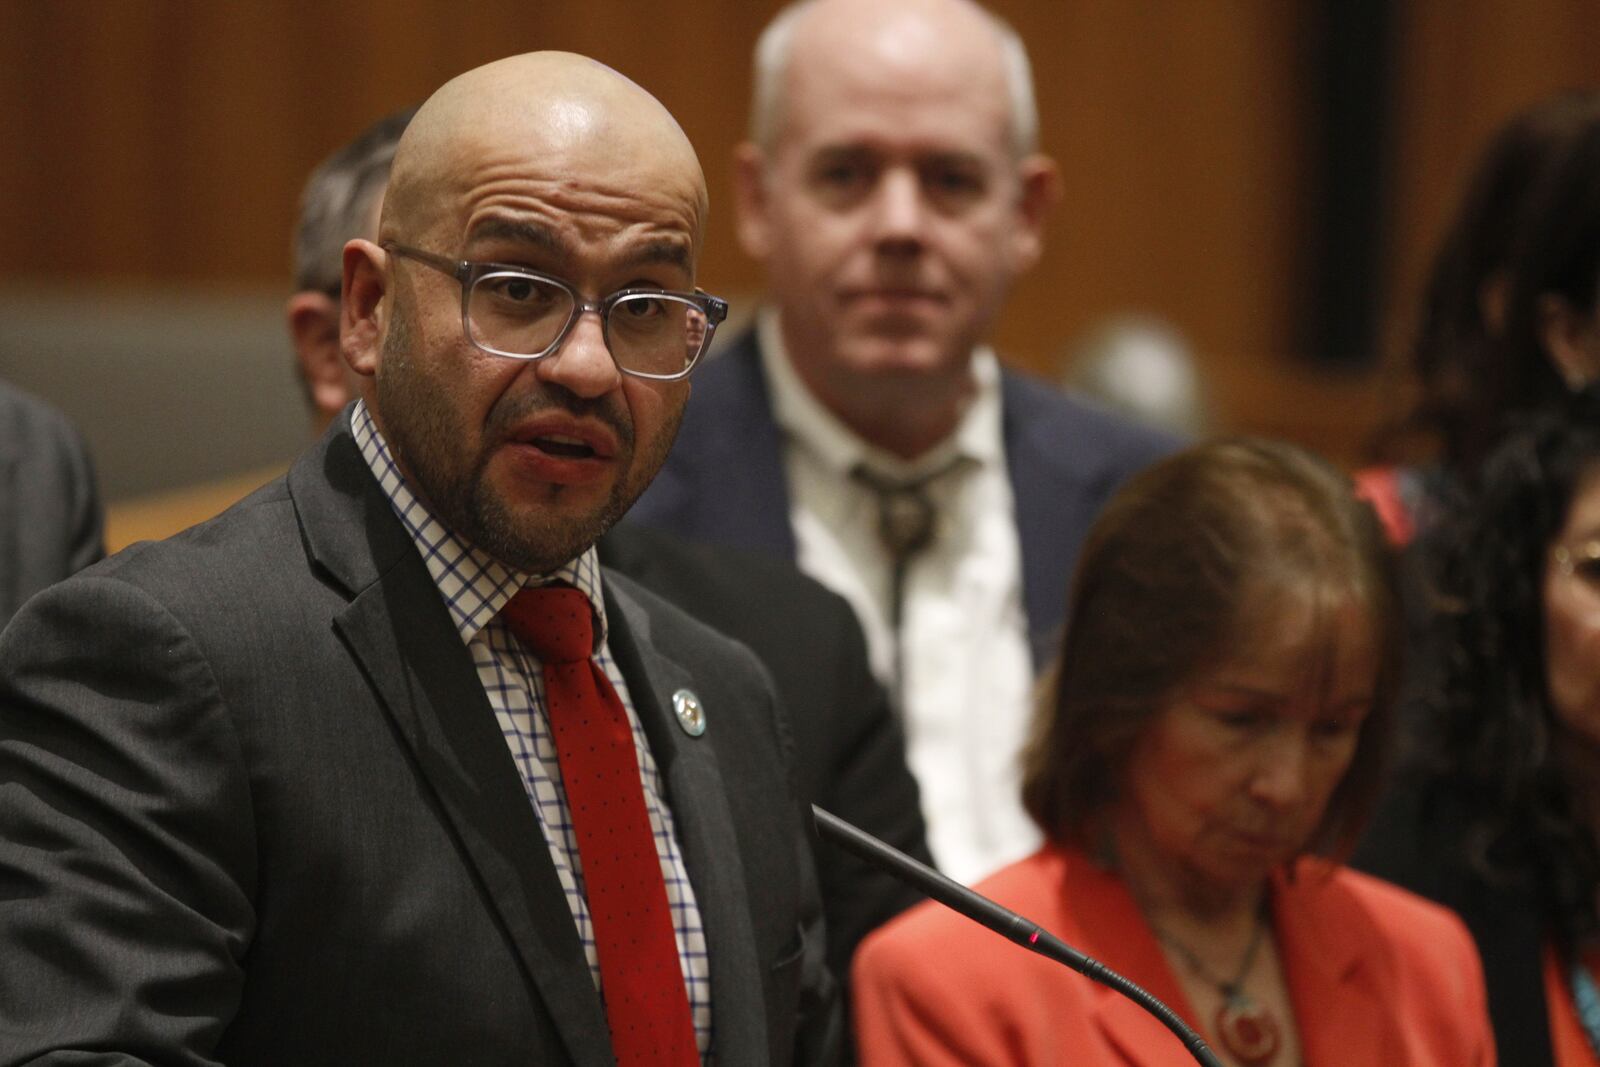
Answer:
(957, 34)
(579, 115)
(565, 184)
(891, 192)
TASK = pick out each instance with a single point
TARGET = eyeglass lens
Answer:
(647, 333)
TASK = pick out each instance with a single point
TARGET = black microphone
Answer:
(1008, 924)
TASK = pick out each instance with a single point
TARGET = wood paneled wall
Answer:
(161, 141)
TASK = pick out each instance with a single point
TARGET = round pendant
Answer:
(1247, 1031)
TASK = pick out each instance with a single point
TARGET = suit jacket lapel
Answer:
(1328, 948)
(1065, 461)
(1120, 937)
(704, 826)
(1044, 498)
(399, 631)
(1331, 960)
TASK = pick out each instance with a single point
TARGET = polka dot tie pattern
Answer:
(641, 980)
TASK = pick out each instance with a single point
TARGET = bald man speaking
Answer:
(379, 766)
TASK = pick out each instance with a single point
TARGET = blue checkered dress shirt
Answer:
(475, 587)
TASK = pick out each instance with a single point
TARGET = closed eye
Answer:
(1331, 729)
(1241, 720)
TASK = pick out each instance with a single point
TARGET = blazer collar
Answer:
(1328, 945)
(1049, 496)
(349, 527)
(1120, 937)
(1334, 961)
(399, 631)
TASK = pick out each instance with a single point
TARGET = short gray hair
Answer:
(772, 62)
(338, 198)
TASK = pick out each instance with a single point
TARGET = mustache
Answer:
(511, 412)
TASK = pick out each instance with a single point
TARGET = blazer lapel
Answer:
(399, 631)
(1328, 951)
(1120, 938)
(1045, 495)
(1330, 958)
(1065, 461)
(704, 826)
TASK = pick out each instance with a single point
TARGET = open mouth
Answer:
(564, 447)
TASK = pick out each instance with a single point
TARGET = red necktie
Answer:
(641, 978)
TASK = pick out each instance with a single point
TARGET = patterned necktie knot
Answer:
(556, 622)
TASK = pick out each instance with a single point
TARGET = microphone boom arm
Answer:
(1003, 921)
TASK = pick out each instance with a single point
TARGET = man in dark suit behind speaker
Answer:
(849, 747)
(893, 189)
(380, 766)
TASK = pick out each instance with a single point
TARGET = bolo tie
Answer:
(907, 522)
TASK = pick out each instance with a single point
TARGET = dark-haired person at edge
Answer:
(1507, 322)
(380, 765)
(1499, 817)
(849, 749)
(1210, 747)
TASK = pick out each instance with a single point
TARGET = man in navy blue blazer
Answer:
(893, 190)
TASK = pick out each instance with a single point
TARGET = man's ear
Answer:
(1039, 187)
(750, 202)
(1571, 339)
(314, 327)
(363, 309)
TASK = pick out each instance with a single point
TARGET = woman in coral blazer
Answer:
(1213, 737)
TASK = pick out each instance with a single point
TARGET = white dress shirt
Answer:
(967, 690)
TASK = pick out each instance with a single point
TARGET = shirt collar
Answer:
(473, 584)
(806, 422)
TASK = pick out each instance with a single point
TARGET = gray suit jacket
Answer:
(255, 808)
(49, 512)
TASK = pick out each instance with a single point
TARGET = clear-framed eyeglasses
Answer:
(524, 314)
